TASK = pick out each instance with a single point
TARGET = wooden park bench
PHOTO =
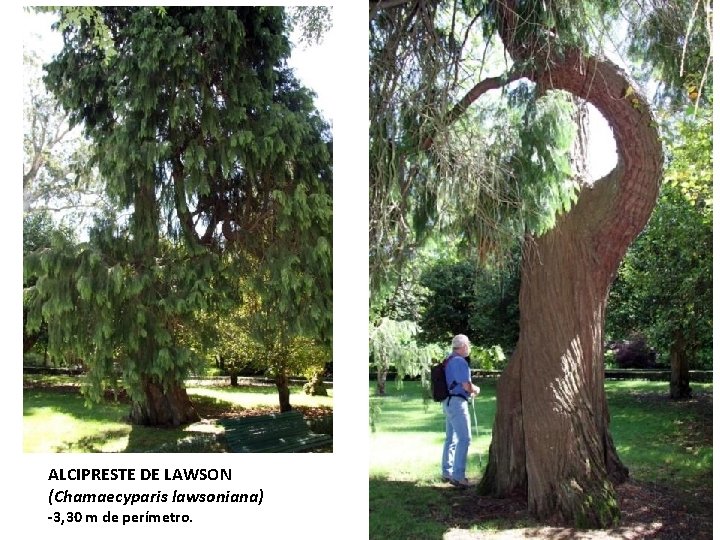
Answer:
(276, 432)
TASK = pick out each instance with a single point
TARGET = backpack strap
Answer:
(453, 385)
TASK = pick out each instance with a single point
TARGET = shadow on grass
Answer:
(69, 401)
(667, 446)
(105, 427)
(405, 510)
(173, 440)
(433, 511)
(92, 443)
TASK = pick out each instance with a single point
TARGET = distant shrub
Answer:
(609, 359)
(633, 354)
(490, 358)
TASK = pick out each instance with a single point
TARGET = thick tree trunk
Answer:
(161, 407)
(283, 388)
(551, 436)
(679, 369)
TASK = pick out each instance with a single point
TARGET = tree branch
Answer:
(184, 217)
(597, 80)
(379, 5)
(491, 83)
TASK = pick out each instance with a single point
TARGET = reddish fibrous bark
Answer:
(551, 436)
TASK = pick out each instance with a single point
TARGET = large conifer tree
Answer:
(206, 140)
(551, 436)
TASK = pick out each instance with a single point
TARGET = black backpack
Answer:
(438, 383)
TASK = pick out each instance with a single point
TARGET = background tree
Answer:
(465, 299)
(664, 286)
(286, 357)
(38, 231)
(393, 344)
(56, 175)
(286, 345)
(673, 40)
(201, 131)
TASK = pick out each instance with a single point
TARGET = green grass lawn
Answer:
(662, 442)
(56, 418)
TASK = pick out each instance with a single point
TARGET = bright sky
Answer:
(602, 155)
(313, 66)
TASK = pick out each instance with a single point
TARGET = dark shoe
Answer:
(462, 484)
(446, 479)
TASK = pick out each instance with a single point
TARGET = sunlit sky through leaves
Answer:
(312, 63)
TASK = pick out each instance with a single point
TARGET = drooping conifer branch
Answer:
(484, 86)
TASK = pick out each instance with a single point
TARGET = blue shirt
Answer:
(457, 371)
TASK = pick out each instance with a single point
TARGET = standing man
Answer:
(457, 416)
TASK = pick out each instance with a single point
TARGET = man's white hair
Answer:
(460, 340)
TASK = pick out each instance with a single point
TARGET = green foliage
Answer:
(203, 134)
(542, 25)
(105, 313)
(38, 233)
(464, 299)
(609, 359)
(491, 358)
(298, 356)
(220, 334)
(492, 174)
(664, 286)
(542, 165)
(450, 301)
(673, 40)
(390, 343)
(393, 343)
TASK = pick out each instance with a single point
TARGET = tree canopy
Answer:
(201, 131)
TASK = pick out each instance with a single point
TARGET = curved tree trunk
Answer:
(161, 407)
(551, 436)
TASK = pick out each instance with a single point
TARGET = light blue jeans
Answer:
(457, 438)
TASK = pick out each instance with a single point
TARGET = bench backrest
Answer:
(273, 426)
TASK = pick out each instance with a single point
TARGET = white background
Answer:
(305, 495)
